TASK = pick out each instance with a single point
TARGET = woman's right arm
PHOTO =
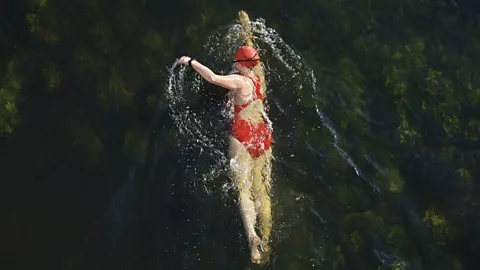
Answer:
(229, 81)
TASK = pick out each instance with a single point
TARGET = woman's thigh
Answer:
(240, 163)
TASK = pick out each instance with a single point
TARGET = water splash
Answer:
(195, 136)
(299, 69)
(285, 70)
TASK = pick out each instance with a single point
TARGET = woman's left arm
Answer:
(228, 81)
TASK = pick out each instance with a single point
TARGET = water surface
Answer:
(374, 106)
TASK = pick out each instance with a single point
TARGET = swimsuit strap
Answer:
(256, 83)
(239, 108)
(256, 96)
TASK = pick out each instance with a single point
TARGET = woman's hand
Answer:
(229, 81)
(184, 60)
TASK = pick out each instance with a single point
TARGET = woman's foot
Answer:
(254, 253)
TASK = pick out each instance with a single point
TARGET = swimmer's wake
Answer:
(249, 158)
(249, 145)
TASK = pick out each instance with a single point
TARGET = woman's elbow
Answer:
(212, 78)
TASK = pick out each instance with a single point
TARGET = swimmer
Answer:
(250, 151)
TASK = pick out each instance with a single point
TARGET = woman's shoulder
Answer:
(236, 77)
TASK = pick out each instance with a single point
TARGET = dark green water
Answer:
(376, 164)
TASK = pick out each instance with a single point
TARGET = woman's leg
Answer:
(262, 171)
(240, 167)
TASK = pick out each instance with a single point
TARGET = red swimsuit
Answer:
(256, 138)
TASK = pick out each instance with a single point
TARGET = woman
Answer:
(250, 142)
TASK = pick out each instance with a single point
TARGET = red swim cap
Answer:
(247, 56)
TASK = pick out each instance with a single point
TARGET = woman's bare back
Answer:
(253, 111)
(246, 93)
